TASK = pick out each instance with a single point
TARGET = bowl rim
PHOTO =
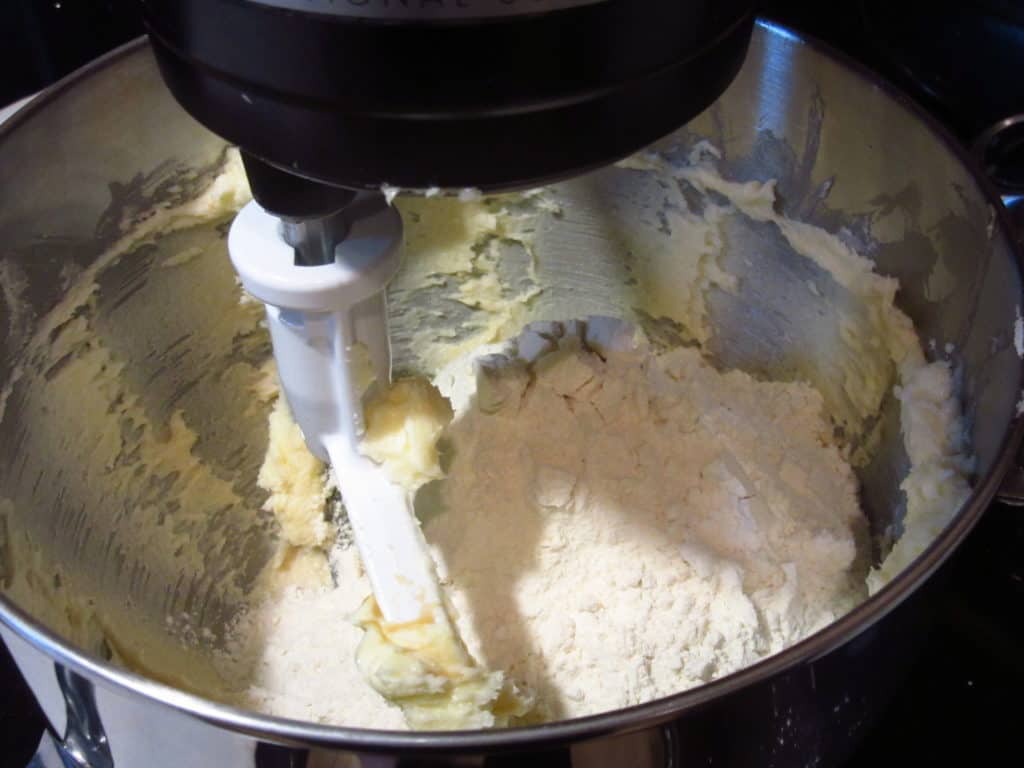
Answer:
(298, 733)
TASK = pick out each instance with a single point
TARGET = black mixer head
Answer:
(492, 94)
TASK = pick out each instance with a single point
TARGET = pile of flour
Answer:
(617, 524)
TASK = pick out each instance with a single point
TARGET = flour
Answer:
(617, 524)
(620, 529)
(294, 655)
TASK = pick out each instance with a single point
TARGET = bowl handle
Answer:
(999, 149)
(84, 742)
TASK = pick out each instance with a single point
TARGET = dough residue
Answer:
(403, 424)
(297, 481)
(423, 667)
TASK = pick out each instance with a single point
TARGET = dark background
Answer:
(964, 61)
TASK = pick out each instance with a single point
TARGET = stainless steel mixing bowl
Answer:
(100, 152)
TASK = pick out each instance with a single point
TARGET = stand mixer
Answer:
(333, 101)
(797, 111)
